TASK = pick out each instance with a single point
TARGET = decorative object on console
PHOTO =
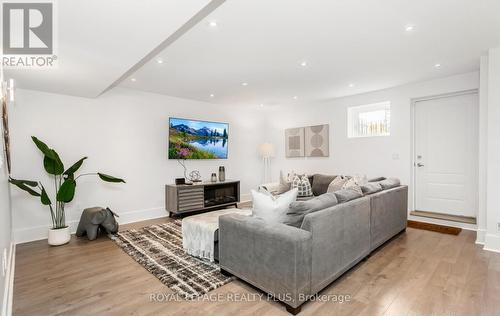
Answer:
(222, 174)
(96, 219)
(294, 142)
(270, 208)
(213, 178)
(65, 185)
(180, 181)
(266, 152)
(303, 186)
(317, 141)
(194, 176)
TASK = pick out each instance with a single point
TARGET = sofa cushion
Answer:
(352, 185)
(302, 185)
(285, 185)
(389, 183)
(346, 195)
(299, 209)
(320, 183)
(270, 208)
(337, 184)
(371, 187)
(377, 179)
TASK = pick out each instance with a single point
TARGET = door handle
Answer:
(420, 164)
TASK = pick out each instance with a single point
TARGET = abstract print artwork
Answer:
(294, 142)
(317, 141)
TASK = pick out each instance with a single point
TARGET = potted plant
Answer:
(64, 185)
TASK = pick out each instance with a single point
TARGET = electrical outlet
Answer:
(4, 262)
(498, 225)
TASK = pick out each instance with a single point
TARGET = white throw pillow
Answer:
(272, 209)
(303, 185)
(336, 184)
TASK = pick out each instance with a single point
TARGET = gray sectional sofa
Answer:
(294, 263)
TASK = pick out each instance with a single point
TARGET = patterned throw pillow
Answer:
(336, 184)
(303, 186)
(351, 184)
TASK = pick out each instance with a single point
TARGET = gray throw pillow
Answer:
(320, 183)
(390, 183)
(346, 195)
(299, 209)
(371, 187)
(377, 179)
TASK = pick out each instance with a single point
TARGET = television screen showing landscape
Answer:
(191, 139)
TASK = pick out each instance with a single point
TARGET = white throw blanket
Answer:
(198, 232)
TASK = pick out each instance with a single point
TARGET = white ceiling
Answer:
(362, 42)
(98, 41)
(262, 42)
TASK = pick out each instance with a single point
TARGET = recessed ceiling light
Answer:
(261, 105)
(295, 97)
(212, 23)
(244, 84)
(351, 85)
(133, 79)
(437, 66)
(409, 28)
(159, 60)
(212, 95)
(303, 64)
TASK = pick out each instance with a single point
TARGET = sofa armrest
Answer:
(389, 214)
(276, 258)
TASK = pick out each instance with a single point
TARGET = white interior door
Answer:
(446, 154)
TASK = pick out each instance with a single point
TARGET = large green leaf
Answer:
(71, 170)
(66, 192)
(25, 185)
(51, 162)
(44, 197)
(53, 166)
(108, 178)
(43, 148)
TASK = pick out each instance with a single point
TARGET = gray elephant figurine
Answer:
(94, 219)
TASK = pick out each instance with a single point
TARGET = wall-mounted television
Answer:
(193, 139)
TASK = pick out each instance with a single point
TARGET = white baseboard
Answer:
(480, 236)
(28, 234)
(492, 243)
(9, 282)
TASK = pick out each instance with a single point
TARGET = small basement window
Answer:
(369, 120)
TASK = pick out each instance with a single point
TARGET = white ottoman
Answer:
(199, 232)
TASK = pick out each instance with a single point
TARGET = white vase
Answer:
(59, 236)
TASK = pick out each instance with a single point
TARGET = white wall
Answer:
(492, 241)
(124, 133)
(374, 156)
(5, 219)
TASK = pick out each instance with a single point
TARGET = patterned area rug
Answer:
(158, 248)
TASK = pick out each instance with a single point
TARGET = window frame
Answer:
(353, 113)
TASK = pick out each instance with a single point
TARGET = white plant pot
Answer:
(59, 236)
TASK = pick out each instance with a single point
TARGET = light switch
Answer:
(395, 156)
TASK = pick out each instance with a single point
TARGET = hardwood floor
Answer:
(418, 273)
